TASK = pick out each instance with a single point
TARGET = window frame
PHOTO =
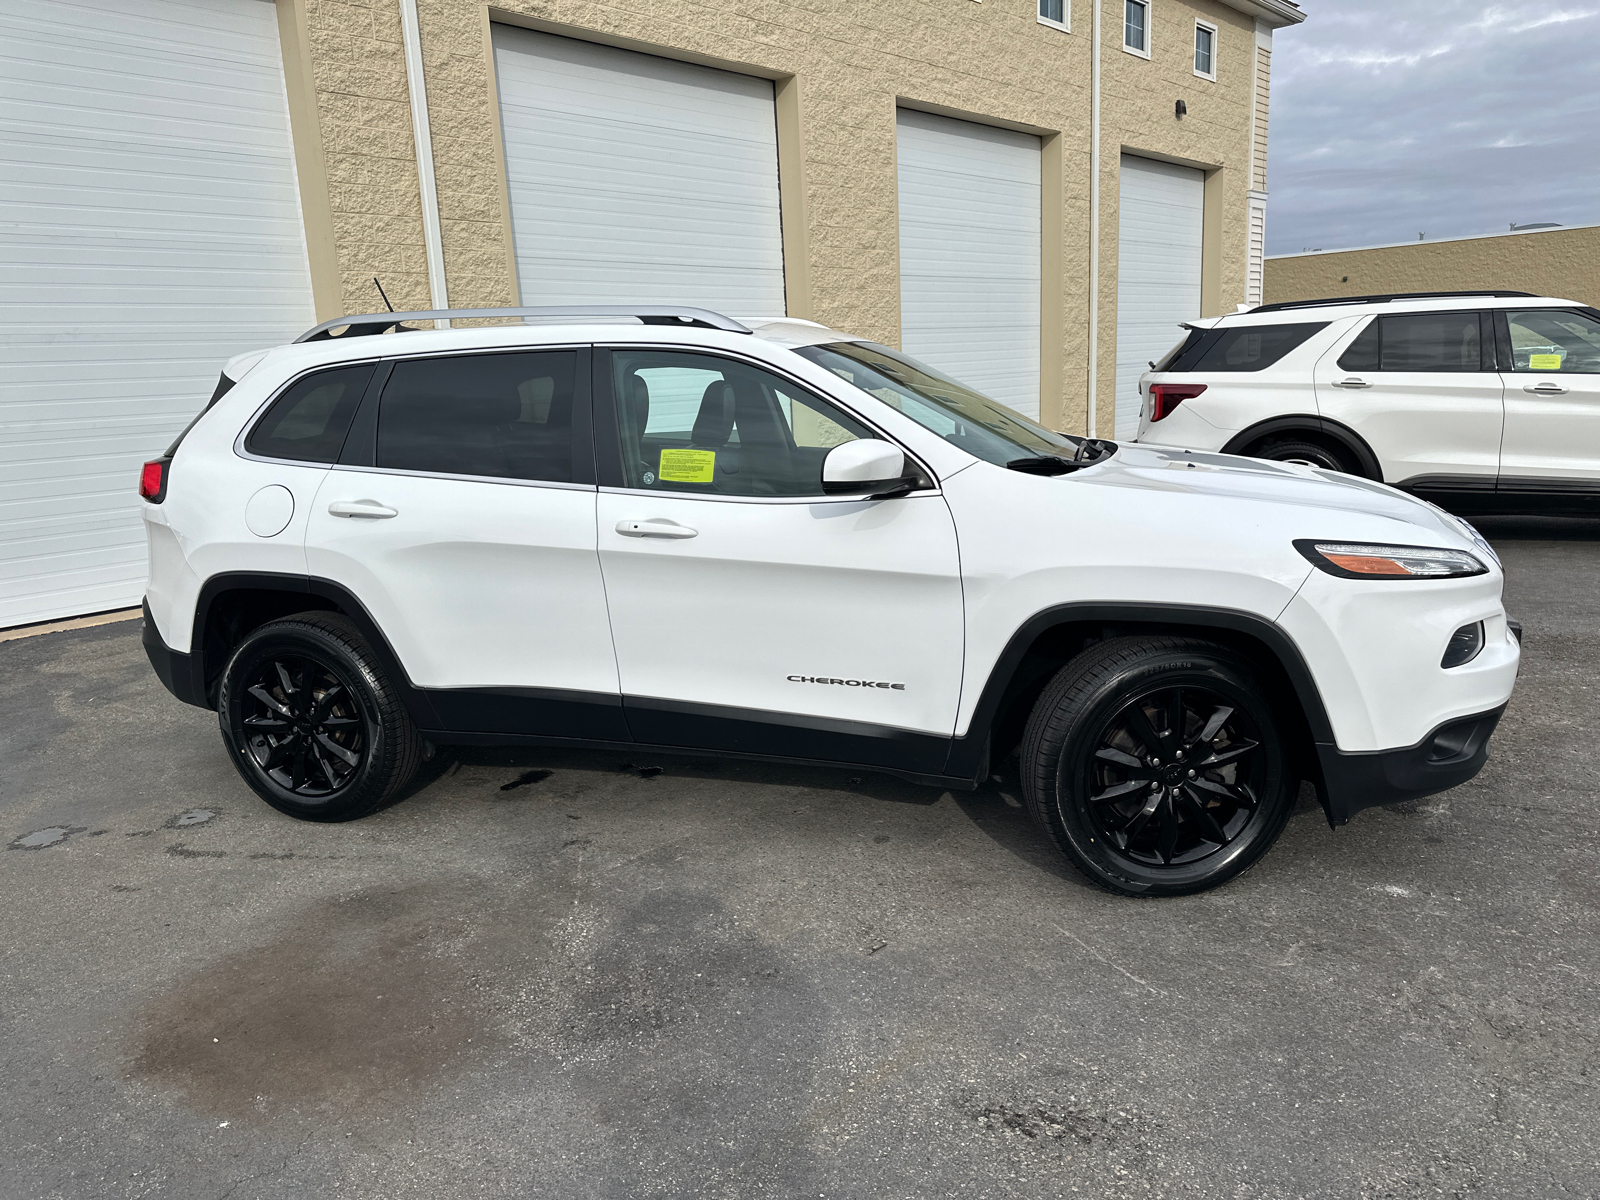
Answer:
(1215, 34)
(380, 372)
(1147, 5)
(608, 429)
(1064, 25)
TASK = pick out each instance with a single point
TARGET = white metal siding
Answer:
(149, 230)
(1158, 270)
(969, 254)
(637, 179)
(1255, 253)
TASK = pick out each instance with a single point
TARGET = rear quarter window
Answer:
(309, 421)
(1244, 348)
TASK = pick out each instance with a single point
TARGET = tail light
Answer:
(1167, 396)
(153, 480)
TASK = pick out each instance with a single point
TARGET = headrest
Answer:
(638, 398)
(714, 424)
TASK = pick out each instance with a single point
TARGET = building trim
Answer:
(432, 236)
(311, 169)
(1274, 13)
(1052, 282)
(794, 220)
(1469, 237)
(498, 140)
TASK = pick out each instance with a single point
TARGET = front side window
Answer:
(1205, 51)
(1243, 347)
(1053, 12)
(309, 421)
(1136, 26)
(982, 427)
(504, 416)
(698, 423)
(1418, 342)
(1545, 339)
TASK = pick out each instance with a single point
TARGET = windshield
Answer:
(961, 416)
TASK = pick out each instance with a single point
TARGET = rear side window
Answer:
(1418, 342)
(505, 416)
(308, 422)
(1244, 347)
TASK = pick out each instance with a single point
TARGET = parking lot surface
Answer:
(576, 975)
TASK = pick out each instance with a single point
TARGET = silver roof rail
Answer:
(648, 314)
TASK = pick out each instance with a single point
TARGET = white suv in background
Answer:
(777, 541)
(1483, 402)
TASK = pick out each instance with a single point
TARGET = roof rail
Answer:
(648, 314)
(1287, 304)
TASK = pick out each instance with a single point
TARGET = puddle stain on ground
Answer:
(195, 816)
(41, 839)
(526, 778)
(181, 850)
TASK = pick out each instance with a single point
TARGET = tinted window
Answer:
(1362, 354)
(1244, 347)
(507, 416)
(1551, 340)
(308, 422)
(1430, 342)
(696, 423)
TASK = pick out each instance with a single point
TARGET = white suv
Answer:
(1484, 402)
(777, 541)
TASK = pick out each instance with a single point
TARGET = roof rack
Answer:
(1287, 304)
(648, 314)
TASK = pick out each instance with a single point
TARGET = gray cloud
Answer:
(1449, 117)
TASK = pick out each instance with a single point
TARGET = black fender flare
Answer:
(1335, 431)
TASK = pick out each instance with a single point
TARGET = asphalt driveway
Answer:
(576, 975)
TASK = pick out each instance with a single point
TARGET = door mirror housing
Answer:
(865, 465)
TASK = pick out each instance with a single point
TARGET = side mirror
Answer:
(867, 465)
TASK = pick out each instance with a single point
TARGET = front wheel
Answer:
(311, 721)
(1156, 765)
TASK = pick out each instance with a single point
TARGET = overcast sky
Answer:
(1446, 117)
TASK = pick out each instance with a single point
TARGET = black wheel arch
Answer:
(1307, 425)
(1054, 636)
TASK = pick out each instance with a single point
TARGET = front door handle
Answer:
(1351, 382)
(369, 509)
(1545, 389)
(655, 527)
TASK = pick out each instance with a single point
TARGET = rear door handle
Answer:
(655, 527)
(369, 509)
(1351, 382)
(1545, 389)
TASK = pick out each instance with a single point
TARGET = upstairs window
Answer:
(1136, 27)
(1056, 13)
(1205, 50)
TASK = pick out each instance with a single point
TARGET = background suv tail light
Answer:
(153, 480)
(1165, 397)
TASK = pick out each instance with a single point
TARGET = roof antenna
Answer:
(382, 293)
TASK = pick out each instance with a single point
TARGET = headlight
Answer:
(1354, 560)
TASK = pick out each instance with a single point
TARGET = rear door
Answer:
(749, 611)
(1550, 362)
(1421, 388)
(461, 515)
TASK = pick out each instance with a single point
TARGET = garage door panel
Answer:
(969, 253)
(150, 229)
(635, 178)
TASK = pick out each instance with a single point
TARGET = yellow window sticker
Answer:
(687, 466)
(1544, 362)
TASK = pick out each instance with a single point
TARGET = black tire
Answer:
(1086, 757)
(1299, 450)
(311, 721)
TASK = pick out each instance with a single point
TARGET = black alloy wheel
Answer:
(312, 722)
(1157, 765)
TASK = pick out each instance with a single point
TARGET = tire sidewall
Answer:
(1067, 805)
(355, 798)
(1291, 452)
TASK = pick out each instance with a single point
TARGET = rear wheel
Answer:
(1313, 454)
(1156, 765)
(311, 721)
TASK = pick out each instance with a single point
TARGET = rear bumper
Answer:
(1450, 755)
(175, 670)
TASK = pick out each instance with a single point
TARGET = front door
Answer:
(750, 612)
(1421, 388)
(461, 515)
(1550, 360)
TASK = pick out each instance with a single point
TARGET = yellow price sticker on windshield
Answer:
(1544, 362)
(687, 466)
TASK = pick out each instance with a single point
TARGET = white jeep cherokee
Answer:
(782, 542)
(1484, 402)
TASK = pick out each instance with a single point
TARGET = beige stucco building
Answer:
(1546, 262)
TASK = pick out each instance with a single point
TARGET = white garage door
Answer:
(1158, 270)
(636, 179)
(150, 231)
(969, 254)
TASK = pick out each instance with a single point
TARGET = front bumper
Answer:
(175, 670)
(1450, 755)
